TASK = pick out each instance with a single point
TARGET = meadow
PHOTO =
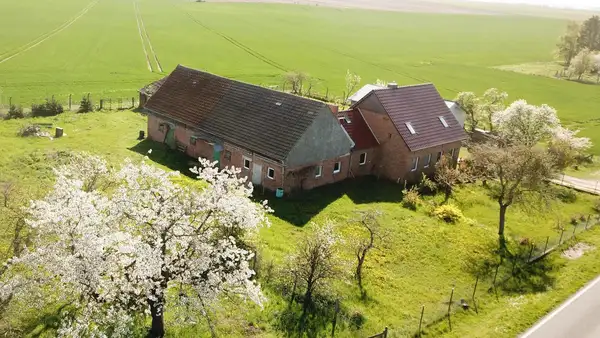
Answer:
(420, 262)
(102, 49)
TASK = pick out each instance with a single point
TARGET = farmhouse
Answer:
(284, 141)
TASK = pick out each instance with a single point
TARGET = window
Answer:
(271, 173)
(439, 156)
(161, 127)
(337, 167)
(415, 164)
(410, 128)
(247, 162)
(193, 140)
(362, 159)
(227, 155)
(452, 152)
(318, 171)
(426, 161)
(443, 121)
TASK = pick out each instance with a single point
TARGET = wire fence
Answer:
(71, 102)
(520, 271)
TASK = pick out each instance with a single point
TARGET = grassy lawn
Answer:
(101, 53)
(419, 263)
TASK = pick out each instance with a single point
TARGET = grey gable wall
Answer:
(324, 139)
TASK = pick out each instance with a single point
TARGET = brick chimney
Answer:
(392, 85)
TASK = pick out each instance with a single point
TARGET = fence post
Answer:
(335, 313)
(132, 102)
(101, 103)
(561, 236)
(421, 320)
(546, 246)
(70, 102)
(385, 332)
(110, 104)
(531, 252)
(449, 308)
(473, 297)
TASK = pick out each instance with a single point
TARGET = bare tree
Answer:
(369, 223)
(296, 80)
(352, 81)
(315, 263)
(448, 175)
(515, 173)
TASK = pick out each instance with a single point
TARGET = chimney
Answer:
(334, 108)
(392, 85)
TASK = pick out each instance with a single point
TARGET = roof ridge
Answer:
(250, 84)
(406, 86)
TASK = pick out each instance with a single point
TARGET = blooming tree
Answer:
(525, 124)
(565, 146)
(137, 247)
(352, 81)
(492, 102)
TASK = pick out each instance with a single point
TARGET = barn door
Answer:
(257, 174)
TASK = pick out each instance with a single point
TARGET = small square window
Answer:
(410, 128)
(271, 173)
(443, 120)
(426, 161)
(161, 127)
(318, 171)
(247, 162)
(415, 164)
(192, 140)
(227, 155)
(337, 167)
(362, 159)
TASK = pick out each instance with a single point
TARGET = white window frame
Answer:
(452, 153)
(244, 159)
(320, 171)
(443, 120)
(269, 170)
(339, 169)
(416, 165)
(364, 161)
(410, 128)
(428, 162)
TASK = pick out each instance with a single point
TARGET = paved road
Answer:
(590, 186)
(578, 317)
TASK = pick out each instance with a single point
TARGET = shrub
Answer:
(426, 186)
(574, 220)
(597, 206)
(566, 195)
(86, 105)
(411, 198)
(582, 218)
(14, 112)
(357, 320)
(48, 108)
(448, 213)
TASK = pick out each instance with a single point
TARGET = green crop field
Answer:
(63, 47)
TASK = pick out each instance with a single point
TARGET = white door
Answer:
(256, 174)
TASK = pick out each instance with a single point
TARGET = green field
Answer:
(421, 261)
(102, 52)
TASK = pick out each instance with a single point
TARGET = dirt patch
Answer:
(577, 251)
(421, 6)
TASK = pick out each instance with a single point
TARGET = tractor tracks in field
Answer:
(146, 40)
(238, 44)
(44, 37)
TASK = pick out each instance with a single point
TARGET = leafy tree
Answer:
(296, 80)
(516, 173)
(144, 244)
(14, 112)
(448, 175)
(582, 63)
(565, 147)
(370, 225)
(315, 263)
(589, 34)
(525, 124)
(492, 102)
(469, 103)
(568, 46)
(352, 81)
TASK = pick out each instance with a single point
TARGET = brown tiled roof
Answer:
(261, 120)
(421, 106)
(153, 87)
(357, 129)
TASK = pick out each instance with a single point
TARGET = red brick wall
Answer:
(368, 168)
(395, 159)
(236, 160)
(327, 175)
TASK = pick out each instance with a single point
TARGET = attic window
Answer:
(443, 121)
(410, 128)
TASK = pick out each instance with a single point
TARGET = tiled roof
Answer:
(153, 87)
(357, 129)
(421, 106)
(261, 120)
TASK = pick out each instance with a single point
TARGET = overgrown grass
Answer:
(418, 264)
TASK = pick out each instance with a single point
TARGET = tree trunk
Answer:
(501, 223)
(158, 322)
(359, 265)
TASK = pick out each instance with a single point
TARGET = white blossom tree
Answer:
(565, 146)
(582, 63)
(525, 124)
(136, 248)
